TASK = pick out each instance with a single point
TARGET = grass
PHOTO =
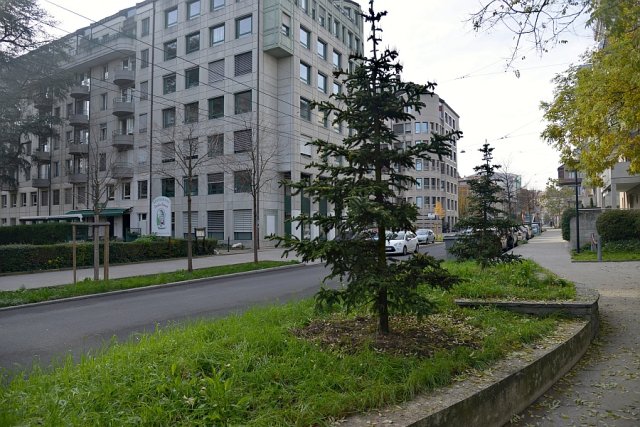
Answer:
(251, 369)
(246, 370)
(606, 255)
(515, 281)
(90, 287)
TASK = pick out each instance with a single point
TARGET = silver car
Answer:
(425, 236)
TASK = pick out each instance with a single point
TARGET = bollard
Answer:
(599, 249)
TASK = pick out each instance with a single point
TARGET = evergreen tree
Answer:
(361, 179)
(487, 223)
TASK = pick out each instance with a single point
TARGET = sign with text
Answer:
(161, 216)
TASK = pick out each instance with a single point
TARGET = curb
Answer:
(514, 384)
(149, 288)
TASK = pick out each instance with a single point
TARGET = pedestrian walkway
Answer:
(604, 388)
(61, 277)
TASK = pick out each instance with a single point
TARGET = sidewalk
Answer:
(61, 277)
(604, 388)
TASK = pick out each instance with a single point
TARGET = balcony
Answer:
(123, 106)
(43, 101)
(79, 120)
(42, 156)
(622, 179)
(40, 182)
(122, 171)
(78, 149)
(77, 178)
(79, 92)
(92, 52)
(124, 77)
(122, 140)
(5, 186)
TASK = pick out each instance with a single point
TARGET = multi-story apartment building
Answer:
(437, 180)
(230, 78)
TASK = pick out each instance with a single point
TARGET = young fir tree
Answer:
(360, 179)
(488, 223)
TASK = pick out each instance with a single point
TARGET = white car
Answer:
(425, 236)
(401, 243)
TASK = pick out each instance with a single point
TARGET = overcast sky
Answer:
(436, 44)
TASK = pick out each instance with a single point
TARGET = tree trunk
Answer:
(96, 248)
(189, 238)
(256, 228)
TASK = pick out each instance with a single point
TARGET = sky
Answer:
(437, 44)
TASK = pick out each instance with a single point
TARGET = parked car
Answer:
(401, 243)
(523, 233)
(425, 236)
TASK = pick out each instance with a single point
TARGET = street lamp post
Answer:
(577, 215)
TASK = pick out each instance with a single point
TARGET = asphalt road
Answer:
(50, 331)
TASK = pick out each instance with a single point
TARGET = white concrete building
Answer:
(231, 75)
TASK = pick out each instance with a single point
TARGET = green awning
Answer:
(107, 212)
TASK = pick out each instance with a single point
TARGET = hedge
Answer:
(38, 234)
(565, 223)
(20, 258)
(616, 225)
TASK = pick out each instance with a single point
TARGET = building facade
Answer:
(436, 179)
(221, 85)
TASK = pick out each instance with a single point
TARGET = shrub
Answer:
(38, 234)
(565, 223)
(17, 258)
(614, 225)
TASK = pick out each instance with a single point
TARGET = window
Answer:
(242, 102)
(82, 195)
(192, 42)
(126, 190)
(305, 37)
(144, 90)
(4, 200)
(68, 196)
(419, 202)
(424, 126)
(191, 112)
(190, 148)
(243, 63)
(323, 119)
(242, 141)
(286, 25)
(215, 183)
(144, 58)
(321, 49)
(44, 198)
(142, 155)
(243, 26)
(337, 88)
(215, 145)
(56, 197)
(215, 224)
(217, 4)
(168, 117)
(55, 166)
(193, 9)
(102, 162)
(305, 109)
(105, 73)
(322, 16)
(304, 5)
(103, 101)
(418, 183)
(142, 123)
(111, 192)
(103, 132)
(305, 147)
(419, 164)
(23, 199)
(144, 27)
(169, 83)
(216, 35)
(337, 125)
(242, 181)
(168, 187)
(192, 77)
(242, 224)
(143, 189)
(170, 49)
(190, 186)
(337, 59)
(34, 199)
(322, 83)
(216, 71)
(305, 73)
(170, 17)
(216, 107)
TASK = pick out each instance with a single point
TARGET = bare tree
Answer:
(510, 184)
(253, 165)
(183, 160)
(101, 165)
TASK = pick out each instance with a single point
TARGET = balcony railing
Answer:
(41, 155)
(79, 91)
(124, 77)
(78, 147)
(40, 182)
(122, 170)
(122, 139)
(123, 106)
(79, 119)
(77, 178)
